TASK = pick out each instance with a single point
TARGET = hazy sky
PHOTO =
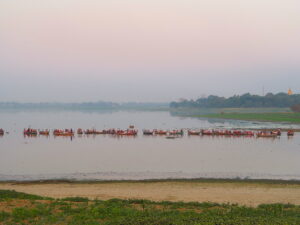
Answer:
(146, 50)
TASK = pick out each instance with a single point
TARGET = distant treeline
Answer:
(100, 105)
(241, 101)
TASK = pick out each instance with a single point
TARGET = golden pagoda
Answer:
(290, 92)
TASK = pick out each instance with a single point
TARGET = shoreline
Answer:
(245, 117)
(195, 180)
(250, 120)
(242, 192)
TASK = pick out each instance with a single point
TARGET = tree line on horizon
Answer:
(101, 105)
(280, 100)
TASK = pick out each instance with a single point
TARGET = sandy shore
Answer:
(251, 194)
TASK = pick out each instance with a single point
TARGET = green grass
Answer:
(271, 117)
(80, 211)
(9, 194)
(76, 199)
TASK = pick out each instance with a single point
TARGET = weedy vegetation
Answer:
(20, 208)
(268, 117)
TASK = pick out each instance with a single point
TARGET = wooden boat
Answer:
(170, 137)
(30, 132)
(277, 132)
(44, 132)
(160, 132)
(194, 132)
(207, 132)
(290, 133)
(217, 132)
(65, 132)
(248, 133)
(242, 133)
(266, 135)
(99, 132)
(176, 132)
(128, 132)
(94, 132)
(88, 131)
(220, 132)
(1, 132)
(110, 131)
(79, 131)
(237, 133)
(148, 132)
(227, 133)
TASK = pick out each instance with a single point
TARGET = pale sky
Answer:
(146, 50)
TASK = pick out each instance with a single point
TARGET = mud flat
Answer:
(250, 193)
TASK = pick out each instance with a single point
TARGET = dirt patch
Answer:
(8, 206)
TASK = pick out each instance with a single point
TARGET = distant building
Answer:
(290, 92)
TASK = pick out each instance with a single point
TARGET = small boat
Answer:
(220, 132)
(110, 131)
(176, 132)
(127, 132)
(277, 132)
(1, 132)
(148, 132)
(99, 132)
(194, 132)
(170, 137)
(93, 131)
(65, 132)
(44, 132)
(30, 132)
(290, 133)
(228, 133)
(207, 132)
(248, 133)
(88, 131)
(242, 133)
(266, 135)
(79, 131)
(237, 133)
(160, 132)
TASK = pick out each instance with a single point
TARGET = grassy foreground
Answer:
(21, 208)
(271, 117)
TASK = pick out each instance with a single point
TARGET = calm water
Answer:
(107, 157)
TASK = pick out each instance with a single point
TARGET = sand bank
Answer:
(251, 194)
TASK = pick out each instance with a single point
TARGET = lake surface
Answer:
(141, 157)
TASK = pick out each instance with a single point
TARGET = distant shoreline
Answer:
(286, 117)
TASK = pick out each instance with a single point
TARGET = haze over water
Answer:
(108, 157)
(150, 50)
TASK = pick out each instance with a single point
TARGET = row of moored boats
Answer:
(71, 132)
(273, 133)
(133, 132)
